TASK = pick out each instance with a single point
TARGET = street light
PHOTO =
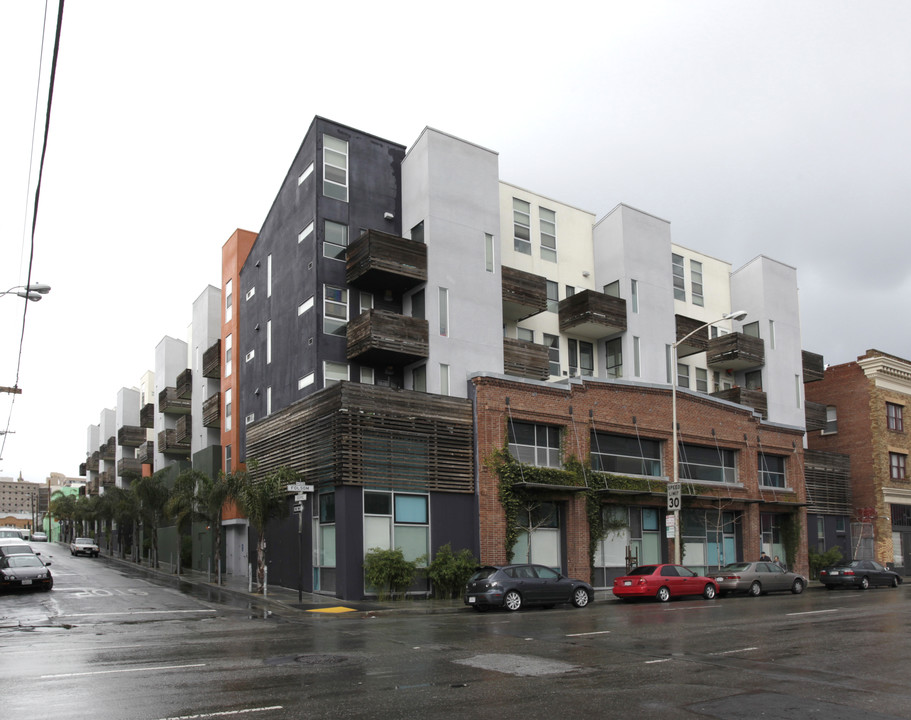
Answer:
(737, 315)
(34, 291)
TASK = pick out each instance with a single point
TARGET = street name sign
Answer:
(299, 488)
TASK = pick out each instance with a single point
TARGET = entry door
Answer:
(906, 553)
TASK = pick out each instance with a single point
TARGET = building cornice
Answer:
(886, 372)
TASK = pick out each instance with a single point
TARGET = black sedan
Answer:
(24, 571)
(513, 586)
(860, 574)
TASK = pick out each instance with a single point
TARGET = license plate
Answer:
(834, 572)
(26, 582)
(719, 579)
(627, 583)
(471, 600)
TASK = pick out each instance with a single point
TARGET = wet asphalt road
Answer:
(106, 643)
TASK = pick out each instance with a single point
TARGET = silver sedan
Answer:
(757, 578)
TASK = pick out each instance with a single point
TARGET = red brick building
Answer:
(596, 451)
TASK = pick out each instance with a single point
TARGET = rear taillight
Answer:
(643, 581)
(732, 577)
(848, 572)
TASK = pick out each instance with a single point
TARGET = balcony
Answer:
(815, 415)
(755, 399)
(107, 478)
(185, 384)
(211, 411)
(525, 359)
(735, 351)
(211, 361)
(377, 261)
(524, 294)
(170, 403)
(129, 465)
(813, 367)
(92, 462)
(380, 337)
(168, 444)
(131, 436)
(108, 451)
(147, 416)
(145, 453)
(697, 342)
(592, 315)
(82, 469)
(184, 429)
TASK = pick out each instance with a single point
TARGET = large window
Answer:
(335, 310)
(553, 353)
(897, 466)
(614, 358)
(548, 221)
(625, 455)
(335, 168)
(521, 223)
(679, 282)
(771, 471)
(894, 417)
(397, 520)
(335, 240)
(707, 464)
(535, 444)
(581, 358)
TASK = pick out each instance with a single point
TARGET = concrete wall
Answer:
(205, 330)
(170, 361)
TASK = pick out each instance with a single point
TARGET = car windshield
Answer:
(85, 541)
(19, 561)
(17, 550)
(483, 573)
(643, 570)
(11, 534)
(737, 567)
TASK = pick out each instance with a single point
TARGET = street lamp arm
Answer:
(33, 291)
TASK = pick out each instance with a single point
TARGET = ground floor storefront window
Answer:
(539, 535)
(324, 563)
(709, 538)
(771, 539)
(633, 538)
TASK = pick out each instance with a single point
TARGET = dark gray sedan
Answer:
(24, 571)
(757, 578)
(859, 574)
(514, 586)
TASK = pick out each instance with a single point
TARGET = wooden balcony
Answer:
(131, 436)
(526, 360)
(185, 384)
(82, 469)
(170, 403)
(108, 451)
(169, 445)
(184, 429)
(147, 416)
(129, 465)
(93, 486)
(815, 415)
(755, 399)
(92, 462)
(211, 361)
(813, 367)
(592, 315)
(107, 478)
(379, 337)
(211, 411)
(697, 342)
(145, 453)
(524, 294)
(735, 351)
(377, 261)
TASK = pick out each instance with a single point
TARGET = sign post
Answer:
(673, 505)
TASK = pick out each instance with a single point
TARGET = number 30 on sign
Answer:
(673, 497)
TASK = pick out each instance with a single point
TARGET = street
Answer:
(106, 643)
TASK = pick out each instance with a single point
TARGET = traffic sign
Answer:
(299, 508)
(673, 497)
(300, 497)
(299, 488)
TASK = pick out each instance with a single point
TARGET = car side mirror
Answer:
(47, 564)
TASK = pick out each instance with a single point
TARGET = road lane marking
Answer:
(812, 612)
(134, 612)
(121, 670)
(652, 662)
(226, 713)
(598, 632)
(739, 650)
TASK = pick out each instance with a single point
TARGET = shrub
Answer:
(387, 571)
(819, 561)
(449, 572)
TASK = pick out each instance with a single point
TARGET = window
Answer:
(365, 301)
(831, 419)
(753, 380)
(612, 289)
(229, 352)
(305, 174)
(305, 305)
(751, 329)
(702, 380)
(521, 223)
(268, 341)
(249, 418)
(614, 362)
(335, 310)
(683, 375)
(535, 444)
(488, 252)
(570, 290)
(249, 356)
(324, 531)
(771, 471)
(305, 233)
(553, 296)
(679, 282)
(418, 305)
(367, 375)
(397, 520)
(251, 292)
(525, 334)
(417, 232)
(334, 372)
(228, 410)
(419, 379)
(637, 359)
(306, 381)
(626, 455)
(335, 240)
(894, 417)
(707, 464)
(229, 300)
(269, 400)
(335, 168)
(696, 283)
(548, 221)
(444, 312)
(772, 334)
(581, 358)
(444, 379)
(552, 342)
(897, 466)
(269, 275)
(227, 458)
(634, 295)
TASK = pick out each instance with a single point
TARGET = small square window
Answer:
(249, 356)
(251, 292)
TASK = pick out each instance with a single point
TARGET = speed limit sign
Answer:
(673, 497)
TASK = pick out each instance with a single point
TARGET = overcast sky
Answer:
(774, 128)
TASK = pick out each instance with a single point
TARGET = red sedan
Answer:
(663, 582)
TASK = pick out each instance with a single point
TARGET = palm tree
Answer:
(183, 504)
(152, 496)
(213, 493)
(63, 507)
(261, 499)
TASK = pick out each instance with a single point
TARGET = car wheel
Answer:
(864, 583)
(709, 592)
(797, 587)
(580, 597)
(755, 589)
(512, 601)
(663, 594)
(894, 581)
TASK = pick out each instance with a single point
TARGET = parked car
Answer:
(663, 582)
(758, 578)
(39, 536)
(84, 546)
(15, 546)
(8, 532)
(514, 586)
(860, 574)
(25, 570)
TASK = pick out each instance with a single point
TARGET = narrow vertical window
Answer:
(895, 417)
(548, 221)
(444, 379)
(696, 283)
(335, 310)
(772, 334)
(228, 410)
(702, 380)
(308, 171)
(614, 359)
(637, 362)
(553, 296)
(335, 240)
(366, 302)
(668, 354)
(367, 375)
(444, 312)
(335, 168)
(634, 294)
(305, 233)
(269, 275)
(553, 353)
(417, 232)
(679, 282)
(521, 224)
(229, 300)
(488, 252)
(269, 400)
(683, 375)
(268, 341)
(419, 379)
(229, 347)
(797, 385)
